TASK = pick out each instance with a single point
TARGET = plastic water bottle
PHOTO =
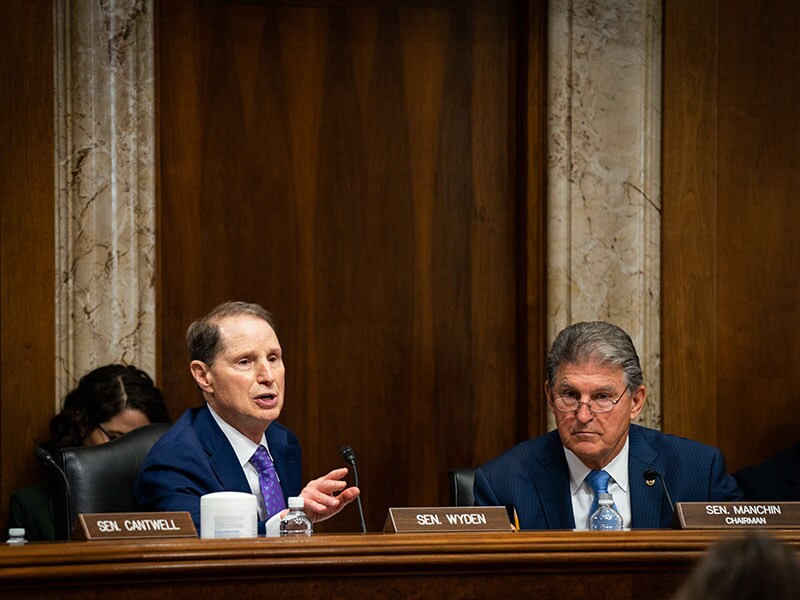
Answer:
(296, 522)
(605, 518)
(16, 536)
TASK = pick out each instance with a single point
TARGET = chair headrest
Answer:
(101, 477)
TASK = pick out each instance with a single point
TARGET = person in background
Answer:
(234, 442)
(109, 402)
(752, 567)
(595, 388)
(777, 479)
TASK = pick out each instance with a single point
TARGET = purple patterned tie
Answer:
(268, 481)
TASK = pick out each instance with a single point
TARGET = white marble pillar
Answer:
(604, 199)
(105, 196)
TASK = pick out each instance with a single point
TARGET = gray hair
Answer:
(202, 337)
(595, 341)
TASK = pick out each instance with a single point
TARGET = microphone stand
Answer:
(46, 458)
(350, 458)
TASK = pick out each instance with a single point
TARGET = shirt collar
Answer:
(617, 468)
(242, 445)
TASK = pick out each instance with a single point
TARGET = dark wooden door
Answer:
(364, 173)
(27, 242)
(731, 327)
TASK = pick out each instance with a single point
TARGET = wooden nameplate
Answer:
(125, 526)
(738, 515)
(447, 519)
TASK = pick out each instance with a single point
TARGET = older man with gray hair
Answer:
(595, 388)
(234, 442)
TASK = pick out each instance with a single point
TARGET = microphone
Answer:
(650, 475)
(45, 457)
(350, 458)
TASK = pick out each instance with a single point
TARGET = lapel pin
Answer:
(650, 482)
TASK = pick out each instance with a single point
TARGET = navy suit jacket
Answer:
(776, 479)
(194, 458)
(533, 477)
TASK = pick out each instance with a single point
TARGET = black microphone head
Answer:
(348, 455)
(651, 474)
(43, 455)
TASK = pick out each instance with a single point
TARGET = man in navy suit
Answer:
(776, 479)
(237, 362)
(594, 388)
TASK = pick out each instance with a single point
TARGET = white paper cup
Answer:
(228, 515)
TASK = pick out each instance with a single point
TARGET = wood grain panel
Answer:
(732, 301)
(531, 176)
(27, 266)
(689, 221)
(759, 216)
(356, 170)
(552, 564)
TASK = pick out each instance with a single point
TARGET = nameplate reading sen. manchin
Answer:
(738, 515)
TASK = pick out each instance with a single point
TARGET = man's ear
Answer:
(548, 395)
(637, 403)
(199, 371)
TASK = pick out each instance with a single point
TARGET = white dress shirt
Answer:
(583, 494)
(244, 448)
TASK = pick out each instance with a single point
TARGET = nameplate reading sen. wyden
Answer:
(738, 515)
(440, 520)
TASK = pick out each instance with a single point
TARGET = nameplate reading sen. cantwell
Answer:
(444, 519)
(738, 515)
(123, 526)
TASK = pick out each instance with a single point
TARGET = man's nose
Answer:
(265, 372)
(584, 414)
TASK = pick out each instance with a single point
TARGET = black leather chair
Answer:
(100, 477)
(461, 481)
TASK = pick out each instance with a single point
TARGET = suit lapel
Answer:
(286, 458)
(647, 501)
(551, 478)
(221, 456)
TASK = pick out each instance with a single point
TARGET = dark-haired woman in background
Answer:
(108, 403)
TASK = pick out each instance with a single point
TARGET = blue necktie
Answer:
(598, 481)
(268, 481)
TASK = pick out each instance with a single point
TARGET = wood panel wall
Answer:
(731, 276)
(362, 172)
(27, 255)
(388, 162)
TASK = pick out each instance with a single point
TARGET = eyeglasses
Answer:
(602, 403)
(108, 435)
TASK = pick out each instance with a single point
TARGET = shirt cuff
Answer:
(272, 527)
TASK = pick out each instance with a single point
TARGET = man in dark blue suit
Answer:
(234, 442)
(775, 479)
(594, 388)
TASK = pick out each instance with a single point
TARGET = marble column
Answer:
(105, 196)
(604, 200)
